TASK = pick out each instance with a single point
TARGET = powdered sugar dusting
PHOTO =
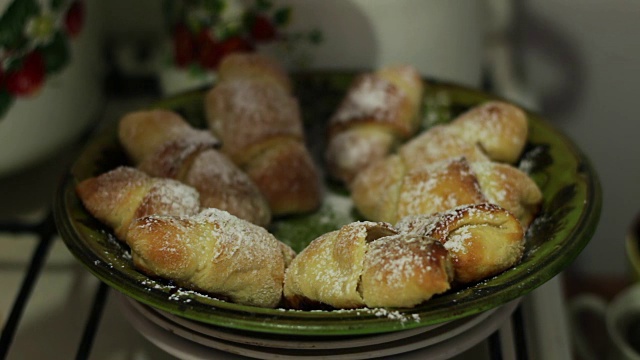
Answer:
(499, 128)
(244, 113)
(397, 263)
(370, 96)
(214, 252)
(351, 151)
(224, 186)
(171, 197)
(418, 224)
(251, 243)
(495, 184)
(438, 187)
(394, 315)
(455, 239)
(458, 242)
(328, 270)
(114, 186)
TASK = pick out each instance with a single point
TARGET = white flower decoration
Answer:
(41, 28)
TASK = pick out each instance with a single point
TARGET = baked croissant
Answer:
(405, 270)
(367, 264)
(482, 239)
(499, 128)
(440, 142)
(143, 133)
(494, 131)
(510, 188)
(163, 144)
(379, 111)
(388, 190)
(213, 252)
(261, 131)
(123, 194)
(451, 165)
(255, 67)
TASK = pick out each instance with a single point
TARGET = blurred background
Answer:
(580, 59)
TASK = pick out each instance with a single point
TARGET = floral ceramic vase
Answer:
(50, 77)
(202, 32)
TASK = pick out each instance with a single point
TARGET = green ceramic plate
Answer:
(572, 201)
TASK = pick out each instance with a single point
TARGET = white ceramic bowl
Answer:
(36, 127)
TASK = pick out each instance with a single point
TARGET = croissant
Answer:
(255, 67)
(213, 252)
(499, 128)
(143, 133)
(494, 131)
(367, 264)
(388, 190)
(261, 131)
(440, 142)
(121, 195)
(163, 144)
(405, 270)
(483, 239)
(379, 111)
(510, 188)
(427, 173)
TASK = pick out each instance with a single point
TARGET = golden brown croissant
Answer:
(214, 252)
(255, 67)
(224, 186)
(499, 128)
(483, 239)
(379, 111)
(260, 128)
(248, 116)
(493, 131)
(451, 165)
(172, 148)
(119, 196)
(143, 133)
(510, 188)
(368, 264)
(388, 190)
(405, 270)
(440, 142)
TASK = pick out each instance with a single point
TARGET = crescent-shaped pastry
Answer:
(388, 192)
(483, 239)
(178, 151)
(328, 270)
(261, 131)
(368, 264)
(254, 67)
(124, 194)
(143, 133)
(213, 252)
(510, 188)
(405, 270)
(439, 143)
(499, 128)
(379, 111)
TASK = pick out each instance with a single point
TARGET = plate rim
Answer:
(476, 331)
